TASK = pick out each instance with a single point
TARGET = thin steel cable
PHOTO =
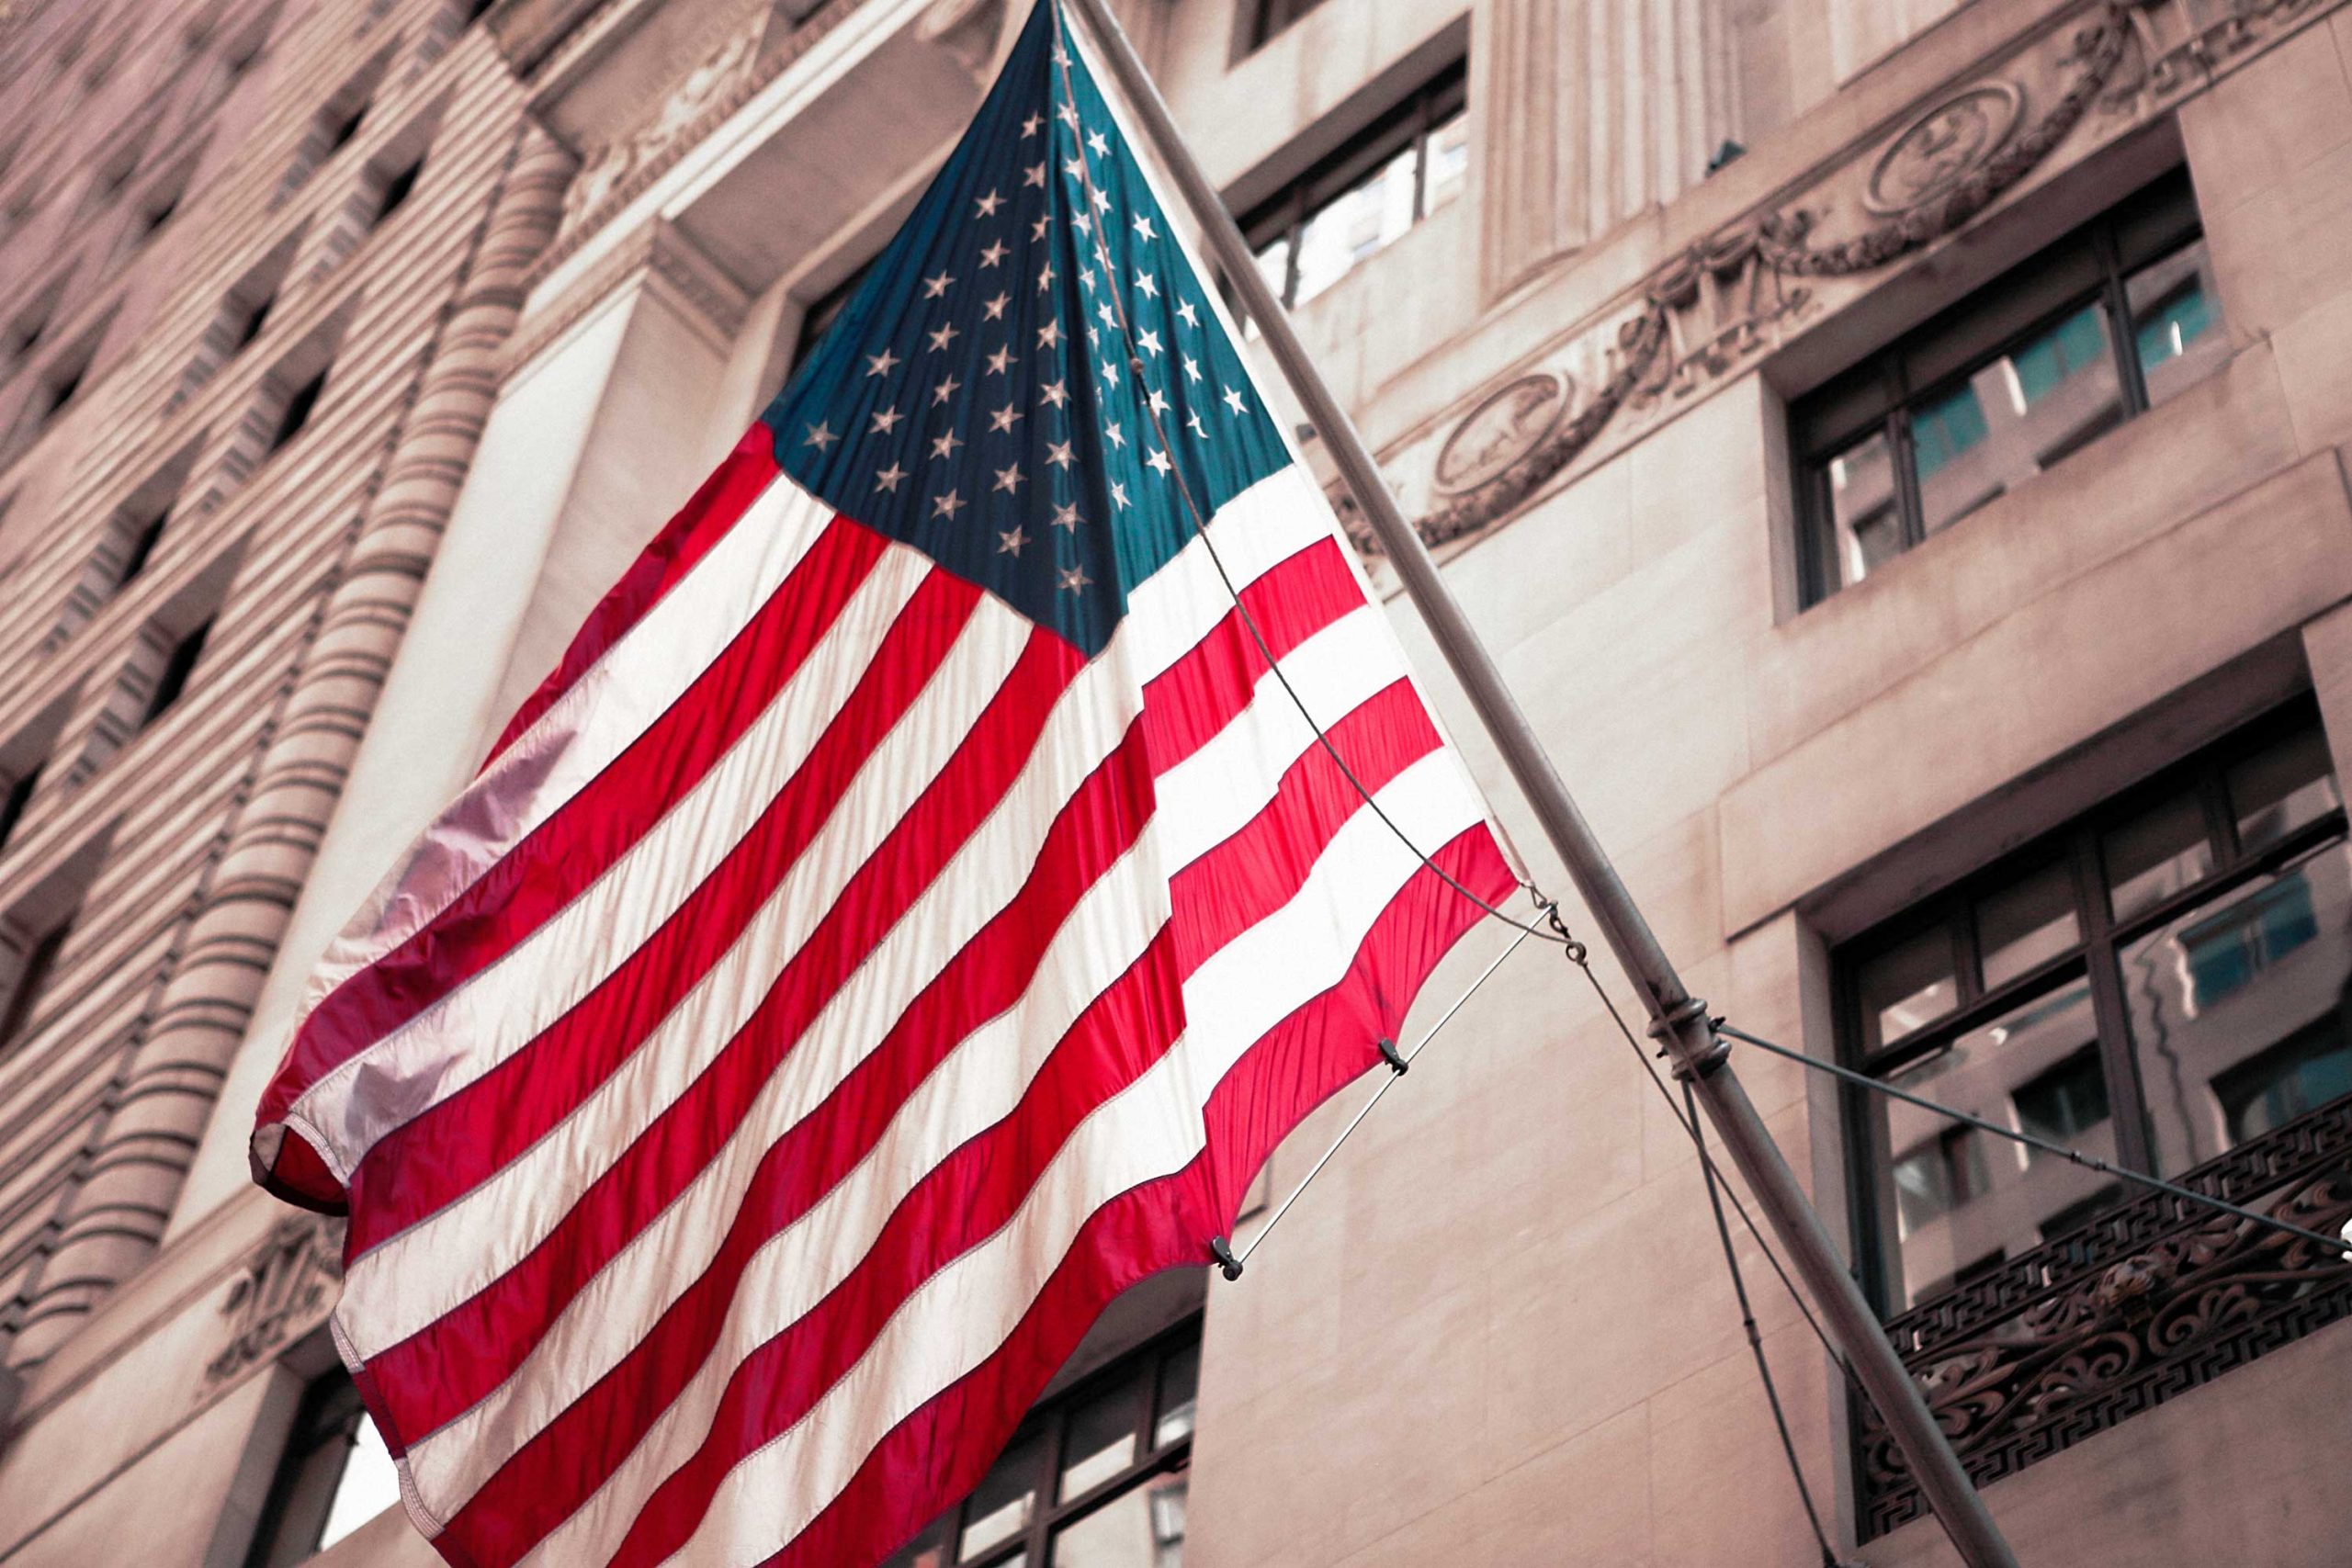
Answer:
(2089, 1162)
(1200, 521)
(1755, 1347)
(1582, 960)
(1366, 1110)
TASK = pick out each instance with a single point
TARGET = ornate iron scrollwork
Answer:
(2150, 1300)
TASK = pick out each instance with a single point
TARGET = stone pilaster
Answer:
(1589, 111)
(166, 1091)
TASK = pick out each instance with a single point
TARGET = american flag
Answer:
(909, 914)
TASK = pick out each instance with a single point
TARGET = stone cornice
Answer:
(2081, 79)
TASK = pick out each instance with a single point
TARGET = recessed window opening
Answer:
(1274, 16)
(254, 318)
(142, 546)
(2091, 332)
(344, 128)
(20, 796)
(300, 405)
(334, 1475)
(396, 190)
(33, 975)
(178, 665)
(1362, 197)
(2155, 984)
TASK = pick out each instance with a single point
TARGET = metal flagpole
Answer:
(1676, 1018)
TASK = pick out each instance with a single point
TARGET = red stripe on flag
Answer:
(559, 1466)
(1262, 867)
(445, 1369)
(1187, 703)
(461, 1140)
(575, 846)
(943, 1450)
(713, 509)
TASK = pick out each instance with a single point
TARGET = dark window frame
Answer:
(1270, 19)
(1049, 1421)
(32, 980)
(1281, 217)
(301, 1496)
(2077, 845)
(2090, 265)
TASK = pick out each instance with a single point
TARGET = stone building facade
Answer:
(1895, 449)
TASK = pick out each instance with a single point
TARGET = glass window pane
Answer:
(1100, 1439)
(1142, 1529)
(1180, 1379)
(1905, 987)
(2150, 859)
(2176, 320)
(1355, 225)
(2282, 788)
(1448, 165)
(370, 1483)
(2237, 1008)
(1000, 1506)
(1274, 266)
(1866, 529)
(2047, 398)
(2027, 924)
(1960, 1198)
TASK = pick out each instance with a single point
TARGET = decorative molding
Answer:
(2152, 1299)
(743, 64)
(1719, 307)
(283, 1290)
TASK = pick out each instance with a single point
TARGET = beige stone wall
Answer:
(1498, 1330)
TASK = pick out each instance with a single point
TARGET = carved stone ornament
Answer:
(1501, 430)
(1944, 146)
(2153, 1298)
(282, 1290)
(1715, 307)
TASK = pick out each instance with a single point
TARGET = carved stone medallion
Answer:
(1501, 430)
(282, 1290)
(1943, 146)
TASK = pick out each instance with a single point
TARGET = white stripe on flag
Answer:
(499, 1011)
(638, 679)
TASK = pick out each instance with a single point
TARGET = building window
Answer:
(1095, 1478)
(32, 978)
(2097, 329)
(1359, 200)
(398, 187)
(19, 796)
(177, 667)
(333, 1476)
(300, 405)
(1274, 16)
(144, 536)
(2155, 984)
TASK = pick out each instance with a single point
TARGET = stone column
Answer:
(1589, 111)
(111, 1220)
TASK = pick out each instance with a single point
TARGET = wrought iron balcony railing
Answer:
(2151, 1299)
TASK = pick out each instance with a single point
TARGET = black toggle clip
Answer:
(1225, 1261)
(1394, 1057)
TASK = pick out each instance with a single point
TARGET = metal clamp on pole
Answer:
(1394, 1057)
(1222, 1253)
(1694, 1058)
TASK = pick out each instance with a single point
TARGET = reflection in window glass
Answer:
(2026, 924)
(928, 1550)
(1958, 1196)
(2050, 358)
(1449, 164)
(1178, 1384)
(1358, 224)
(1101, 1441)
(1000, 1506)
(2150, 859)
(1907, 987)
(2277, 791)
(1943, 429)
(1869, 532)
(2211, 995)
(2176, 318)
(1142, 1529)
